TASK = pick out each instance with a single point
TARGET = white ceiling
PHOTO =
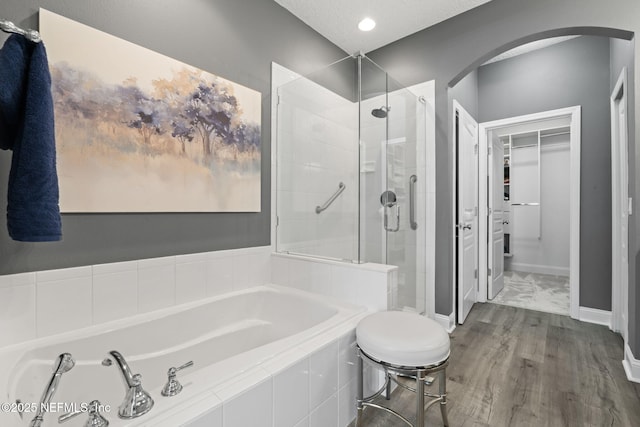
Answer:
(337, 20)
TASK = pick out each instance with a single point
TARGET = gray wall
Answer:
(466, 93)
(448, 51)
(575, 72)
(234, 39)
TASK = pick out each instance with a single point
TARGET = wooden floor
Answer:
(515, 367)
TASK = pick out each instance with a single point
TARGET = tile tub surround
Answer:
(44, 303)
(374, 286)
(313, 368)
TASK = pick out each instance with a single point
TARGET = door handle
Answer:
(412, 202)
(465, 226)
(386, 218)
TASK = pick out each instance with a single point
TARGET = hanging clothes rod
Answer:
(555, 134)
(10, 27)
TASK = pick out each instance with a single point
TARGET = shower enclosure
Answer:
(348, 179)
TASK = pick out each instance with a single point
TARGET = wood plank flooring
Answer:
(515, 367)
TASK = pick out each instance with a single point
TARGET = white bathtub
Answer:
(231, 339)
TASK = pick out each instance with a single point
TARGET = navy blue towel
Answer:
(27, 128)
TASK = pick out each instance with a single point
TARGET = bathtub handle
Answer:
(95, 418)
(173, 386)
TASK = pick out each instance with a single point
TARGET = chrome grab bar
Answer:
(412, 202)
(525, 204)
(341, 188)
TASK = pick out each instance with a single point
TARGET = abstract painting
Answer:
(137, 131)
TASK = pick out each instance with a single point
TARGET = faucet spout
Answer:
(137, 401)
(63, 364)
(127, 376)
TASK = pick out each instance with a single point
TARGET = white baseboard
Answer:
(447, 322)
(631, 365)
(593, 315)
(540, 269)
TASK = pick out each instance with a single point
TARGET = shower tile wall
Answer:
(317, 149)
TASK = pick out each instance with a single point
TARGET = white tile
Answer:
(326, 415)
(63, 273)
(347, 404)
(115, 267)
(372, 289)
(189, 258)
(252, 408)
(20, 279)
(156, 286)
(219, 276)
(321, 278)
(291, 395)
(347, 360)
(156, 262)
(115, 295)
(279, 270)
(323, 374)
(259, 267)
(303, 423)
(240, 272)
(63, 305)
(300, 274)
(344, 283)
(212, 418)
(17, 313)
(191, 281)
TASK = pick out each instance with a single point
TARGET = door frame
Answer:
(574, 194)
(455, 284)
(617, 286)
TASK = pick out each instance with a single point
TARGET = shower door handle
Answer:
(388, 200)
(386, 218)
(412, 202)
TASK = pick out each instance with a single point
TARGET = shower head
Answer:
(381, 112)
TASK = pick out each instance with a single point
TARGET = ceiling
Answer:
(337, 20)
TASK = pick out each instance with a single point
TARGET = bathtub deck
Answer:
(517, 367)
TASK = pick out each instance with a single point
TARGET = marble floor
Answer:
(533, 291)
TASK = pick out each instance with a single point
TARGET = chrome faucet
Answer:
(136, 402)
(63, 364)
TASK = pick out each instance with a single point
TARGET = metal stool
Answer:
(406, 345)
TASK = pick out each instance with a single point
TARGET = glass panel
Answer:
(373, 167)
(317, 164)
(351, 124)
(406, 131)
(392, 127)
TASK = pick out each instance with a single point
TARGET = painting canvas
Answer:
(137, 131)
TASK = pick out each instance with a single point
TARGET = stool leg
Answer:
(420, 398)
(442, 383)
(360, 387)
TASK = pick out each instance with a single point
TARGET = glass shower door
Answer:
(404, 132)
(393, 203)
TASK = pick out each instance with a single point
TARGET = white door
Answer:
(620, 192)
(467, 212)
(496, 217)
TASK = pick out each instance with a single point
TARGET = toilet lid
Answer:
(403, 339)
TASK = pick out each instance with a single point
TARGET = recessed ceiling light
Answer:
(367, 24)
